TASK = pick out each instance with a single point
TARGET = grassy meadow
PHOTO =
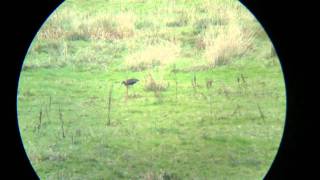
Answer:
(209, 104)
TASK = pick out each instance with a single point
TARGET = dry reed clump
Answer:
(183, 17)
(107, 27)
(125, 24)
(153, 55)
(215, 22)
(99, 28)
(72, 25)
(162, 175)
(221, 33)
(58, 24)
(152, 85)
(227, 44)
(216, 15)
(207, 38)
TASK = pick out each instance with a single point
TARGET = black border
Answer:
(23, 19)
(288, 26)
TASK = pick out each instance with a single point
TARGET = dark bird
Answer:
(129, 82)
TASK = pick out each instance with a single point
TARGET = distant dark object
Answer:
(127, 83)
(209, 84)
(130, 82)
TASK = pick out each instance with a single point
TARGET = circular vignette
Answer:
(173, 24)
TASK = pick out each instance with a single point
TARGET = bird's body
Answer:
(130, 82)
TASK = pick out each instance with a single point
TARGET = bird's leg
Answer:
(127, 92)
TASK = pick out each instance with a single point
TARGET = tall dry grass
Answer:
(223, 43)
(73, 25)
(161, 54)
(228, 44)
(218, 30)
(150, 84)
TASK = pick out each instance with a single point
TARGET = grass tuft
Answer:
(153, 85)
(153, 56)
(227, 45)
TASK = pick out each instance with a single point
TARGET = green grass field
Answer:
(77, 122)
